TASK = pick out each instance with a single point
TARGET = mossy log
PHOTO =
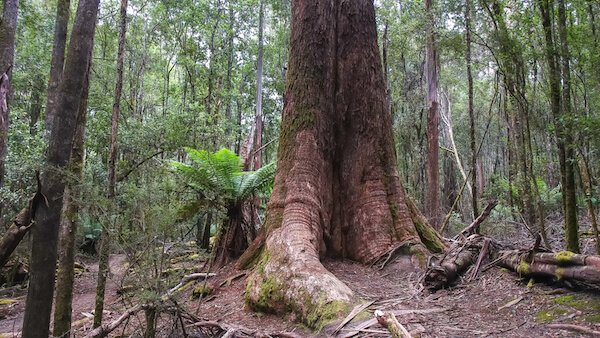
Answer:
(560, 266)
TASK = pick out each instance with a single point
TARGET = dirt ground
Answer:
(495, 304)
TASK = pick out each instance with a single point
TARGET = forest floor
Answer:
(495, 304)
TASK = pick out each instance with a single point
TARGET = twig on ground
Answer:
(357, 309)
(389, 321)
(574, 328)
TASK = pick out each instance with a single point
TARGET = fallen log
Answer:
(455, 262)
(559, 266)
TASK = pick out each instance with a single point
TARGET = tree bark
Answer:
(256, 154)
(45, 233)
(433, 121)
(68, 227)
(8, 28)
(63, 13)
(103, 267)
(562, 131)
(569, 187)
(19, 228)
(337, 191)
(473, 142)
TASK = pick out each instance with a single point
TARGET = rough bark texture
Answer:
(63, 13)
(433, 123)
(69, 224)
(337, 191)
(45, 233)
(112, 170)
(8, 27)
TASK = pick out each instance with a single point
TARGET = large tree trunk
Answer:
(47, 216)
(8, 27)
(103, 267)
(337, 191)
(68, 225)
(63, 13)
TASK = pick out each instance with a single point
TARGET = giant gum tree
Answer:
(337, 192)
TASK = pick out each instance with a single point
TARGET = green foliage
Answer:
(218, 177)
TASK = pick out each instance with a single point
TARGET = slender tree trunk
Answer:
(206, 235)
(63, 13)
(103, 268)
(228, 82)
(588, 190)
(433, 122)
(8, 28)
(35, 106)
(69, 223)
(473, 142)
(569, 187)
(336, 167)
(258, 118)
(45, 233)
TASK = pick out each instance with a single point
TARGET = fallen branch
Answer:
(389, 321)
(357, 309)
(353, 331)
(104, 330)
(474, 227)
(575, 328)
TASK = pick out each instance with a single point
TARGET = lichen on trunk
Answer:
(337, 192)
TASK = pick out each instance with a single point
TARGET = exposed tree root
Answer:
(301, 284)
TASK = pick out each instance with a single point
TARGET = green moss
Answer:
(270, 295)
(578, 302)
(595, 318)
(429, 237)
(418, 251)
(324, 313)
(550, 314)
(564, 257)
(523, 268)
(531, 283)
(202, 290)
(559, 273)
